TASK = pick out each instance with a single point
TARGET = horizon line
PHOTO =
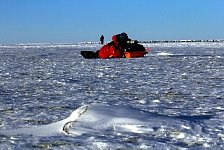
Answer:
(96, 42)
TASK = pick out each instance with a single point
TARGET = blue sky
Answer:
(66, 21)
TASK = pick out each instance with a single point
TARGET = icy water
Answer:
(180, 85)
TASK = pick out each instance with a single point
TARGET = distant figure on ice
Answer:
(102, 39)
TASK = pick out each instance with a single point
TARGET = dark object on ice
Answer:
(89, 54)
(102, 39)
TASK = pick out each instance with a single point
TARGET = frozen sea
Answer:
(179, 85)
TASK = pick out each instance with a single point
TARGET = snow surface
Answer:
(181, 83)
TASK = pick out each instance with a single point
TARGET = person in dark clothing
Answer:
(102, 39)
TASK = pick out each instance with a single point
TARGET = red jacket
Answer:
(111, 50)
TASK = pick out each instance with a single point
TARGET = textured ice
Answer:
(44, 83)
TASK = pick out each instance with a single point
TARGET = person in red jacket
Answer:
(114, 49)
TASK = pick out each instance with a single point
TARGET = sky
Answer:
(70, 21)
